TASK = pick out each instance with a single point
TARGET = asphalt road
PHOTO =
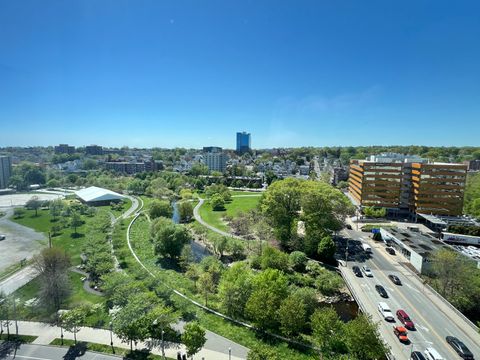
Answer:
(432, 324)
(42, 352)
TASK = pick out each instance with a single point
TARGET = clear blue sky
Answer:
(192, 73)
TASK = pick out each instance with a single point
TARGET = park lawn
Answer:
(233, 208)
(126, 205)
(236, 192)
(107, 349)
(72, 244)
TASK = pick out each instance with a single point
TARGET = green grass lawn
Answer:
(107, 349)
(237, 205)
(235, 192)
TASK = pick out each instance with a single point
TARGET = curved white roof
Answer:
(93, 193)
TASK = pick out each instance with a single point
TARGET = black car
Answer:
(417, 355)
(395, 279)
(356, 270)
(459, 347)
(381, 290)
(390, 250)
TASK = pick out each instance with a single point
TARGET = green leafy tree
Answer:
(206, 285)
(270, 287)
(18, 213)
(292, 316)
(272, 258)
(75, 221)
(262, 352)
(328, 282)
(185, 210)
(298, 261)
(363, 340)
(56, 208)
(235, 288)
(168, 238)
(326, 249)
(158, 208)
(328, 331)
(193, 338)
(74, 319)
(217, 202)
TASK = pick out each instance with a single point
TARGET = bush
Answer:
(298, 261)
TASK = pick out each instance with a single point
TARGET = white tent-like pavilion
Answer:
(95, 195)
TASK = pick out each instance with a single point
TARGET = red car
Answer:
(405, 319)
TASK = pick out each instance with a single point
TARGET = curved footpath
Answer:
(196, 215)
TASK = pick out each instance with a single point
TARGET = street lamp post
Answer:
(163, 347)
(15, 315)
(346, 254)
(61, 333)
(111, 337)
(229, 353)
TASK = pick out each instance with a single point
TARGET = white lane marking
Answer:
(411, 287)
(417, 325)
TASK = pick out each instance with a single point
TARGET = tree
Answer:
(18, 213)
(72, 320)
(158, 208)
(328, 282)
(75, 221)
(272, 258)
(262, 352)
(34, 204)
(193, 338)
(206, 285)
(186, 257)
(185, 210)
(328, 330)
(363, 340)
(56, 207)
(374, 212)
(326, 249)
(235, 288)
(270, 287)
(131, 322)
(52, 266)
(217, 202)
(292, 316)
(168, 238)
(220, 244)
(298, 261)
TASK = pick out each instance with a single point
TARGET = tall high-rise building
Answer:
(5, 171)
(215, 158)
(243, 142)
(405, 184)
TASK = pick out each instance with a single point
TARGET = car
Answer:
(385, 311)
(395, 279)
(390, 250)
(459, 347)
(381, 291)
(348, 226)
(356, 271)
(401, 333)
(367, 271)
(432, 354)
(2, 237)
(417, 355)
(405, 319)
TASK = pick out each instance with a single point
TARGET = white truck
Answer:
(367, 248)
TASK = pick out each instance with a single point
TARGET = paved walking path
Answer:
(215, 347)
(196, 215)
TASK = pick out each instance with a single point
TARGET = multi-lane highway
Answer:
(433, 319)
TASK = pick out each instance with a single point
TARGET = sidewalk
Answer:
(46, 333)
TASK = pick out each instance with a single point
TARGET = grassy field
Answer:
(233, 208)
(107, 349)
(127, 204)
(24, 339)
(235, 192)
(66, 240)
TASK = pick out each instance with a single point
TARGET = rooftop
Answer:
(422, 244)
(94, 193)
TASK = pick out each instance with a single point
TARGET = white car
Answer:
(432, 354)
(367, 271)
(2, 237)
(385, 311)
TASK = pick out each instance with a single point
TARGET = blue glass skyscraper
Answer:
(243, 142)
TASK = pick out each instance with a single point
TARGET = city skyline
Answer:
(167, 74)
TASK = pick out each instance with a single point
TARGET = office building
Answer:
(438, 188)
(215, 159)
(64, 149)
(5, 171)
(93, 150)
(243, 142)
(408, 184)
